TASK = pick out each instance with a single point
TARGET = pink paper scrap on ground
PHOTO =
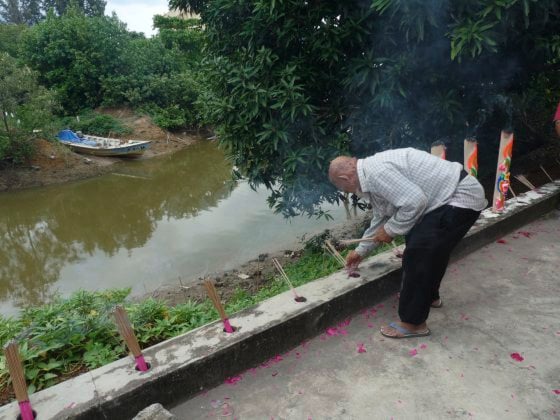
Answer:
(413, 352)
(361, 348)
(556, 391)
(423, 346)
(233, 380)
(517, 357)
(26, 410)
(141, 363)
(332, 331)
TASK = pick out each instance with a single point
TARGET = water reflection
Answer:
(44, 230)
(145, 225)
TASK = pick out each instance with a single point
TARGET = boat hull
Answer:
(133, 150)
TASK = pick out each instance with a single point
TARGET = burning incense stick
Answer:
(213, 295)
(127, 333)
(285, 276)
(15, 367)
(332, 250)
(546, 173)
(523, 179)
(502, 172)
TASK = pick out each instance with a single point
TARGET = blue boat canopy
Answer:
(70, 136)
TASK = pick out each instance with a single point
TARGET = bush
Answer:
(96, 124)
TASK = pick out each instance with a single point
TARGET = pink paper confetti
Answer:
(423, 346)
(517, 357)
(361, 348)
(525, 233)
(413, 352)
(370, 325)
(501, 241)
(233, 380)
(332, 331)
(556, 391)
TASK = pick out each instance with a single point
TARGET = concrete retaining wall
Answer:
(185, 365)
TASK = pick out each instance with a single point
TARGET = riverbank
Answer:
(53, 163)
(73, 335)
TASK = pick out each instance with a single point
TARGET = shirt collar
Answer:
(361, 175)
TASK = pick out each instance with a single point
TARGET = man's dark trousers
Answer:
(428, 248)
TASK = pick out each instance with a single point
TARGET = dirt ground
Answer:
(55, 164)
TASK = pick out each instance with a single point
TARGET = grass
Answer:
(76, 334)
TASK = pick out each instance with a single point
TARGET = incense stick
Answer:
(512, 192)
(127, 333)
(285, 276)
(355, 241)
(546, 173)
(332, 250)
(17, 375)
(523, 179)
(213, 295)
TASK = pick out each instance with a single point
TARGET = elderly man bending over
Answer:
(433, 202)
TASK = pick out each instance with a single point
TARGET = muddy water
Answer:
(143, 226)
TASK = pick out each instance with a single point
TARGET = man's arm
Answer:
(364, 247)
(354, 258)
(406, 196)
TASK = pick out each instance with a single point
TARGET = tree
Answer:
(10, 38)
(31, 12)
(73, 53)
(291, 84)
(89, 7)
(24, 106)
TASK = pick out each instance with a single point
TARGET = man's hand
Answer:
(353, 260)
(382, 236)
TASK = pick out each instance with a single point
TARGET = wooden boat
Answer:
(102, 146)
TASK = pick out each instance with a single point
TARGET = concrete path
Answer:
(494, 351)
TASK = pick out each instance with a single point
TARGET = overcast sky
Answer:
(137, 14)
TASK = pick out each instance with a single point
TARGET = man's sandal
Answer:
(406, 333)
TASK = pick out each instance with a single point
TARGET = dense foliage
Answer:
(73, 54)
(24, 107)
(33, 11)
(93, 61)
(290, 83)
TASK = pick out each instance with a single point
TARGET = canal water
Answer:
(145, 225)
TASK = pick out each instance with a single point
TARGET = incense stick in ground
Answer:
(333, 251)
(285, 276)
(213, 295)
(127, 333)
(523, 179)
(546, 173)
(17, 375)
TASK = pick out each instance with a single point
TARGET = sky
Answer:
(137, 14)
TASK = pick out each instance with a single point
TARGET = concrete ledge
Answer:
(185, 365)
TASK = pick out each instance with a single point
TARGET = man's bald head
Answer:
(343, 173)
